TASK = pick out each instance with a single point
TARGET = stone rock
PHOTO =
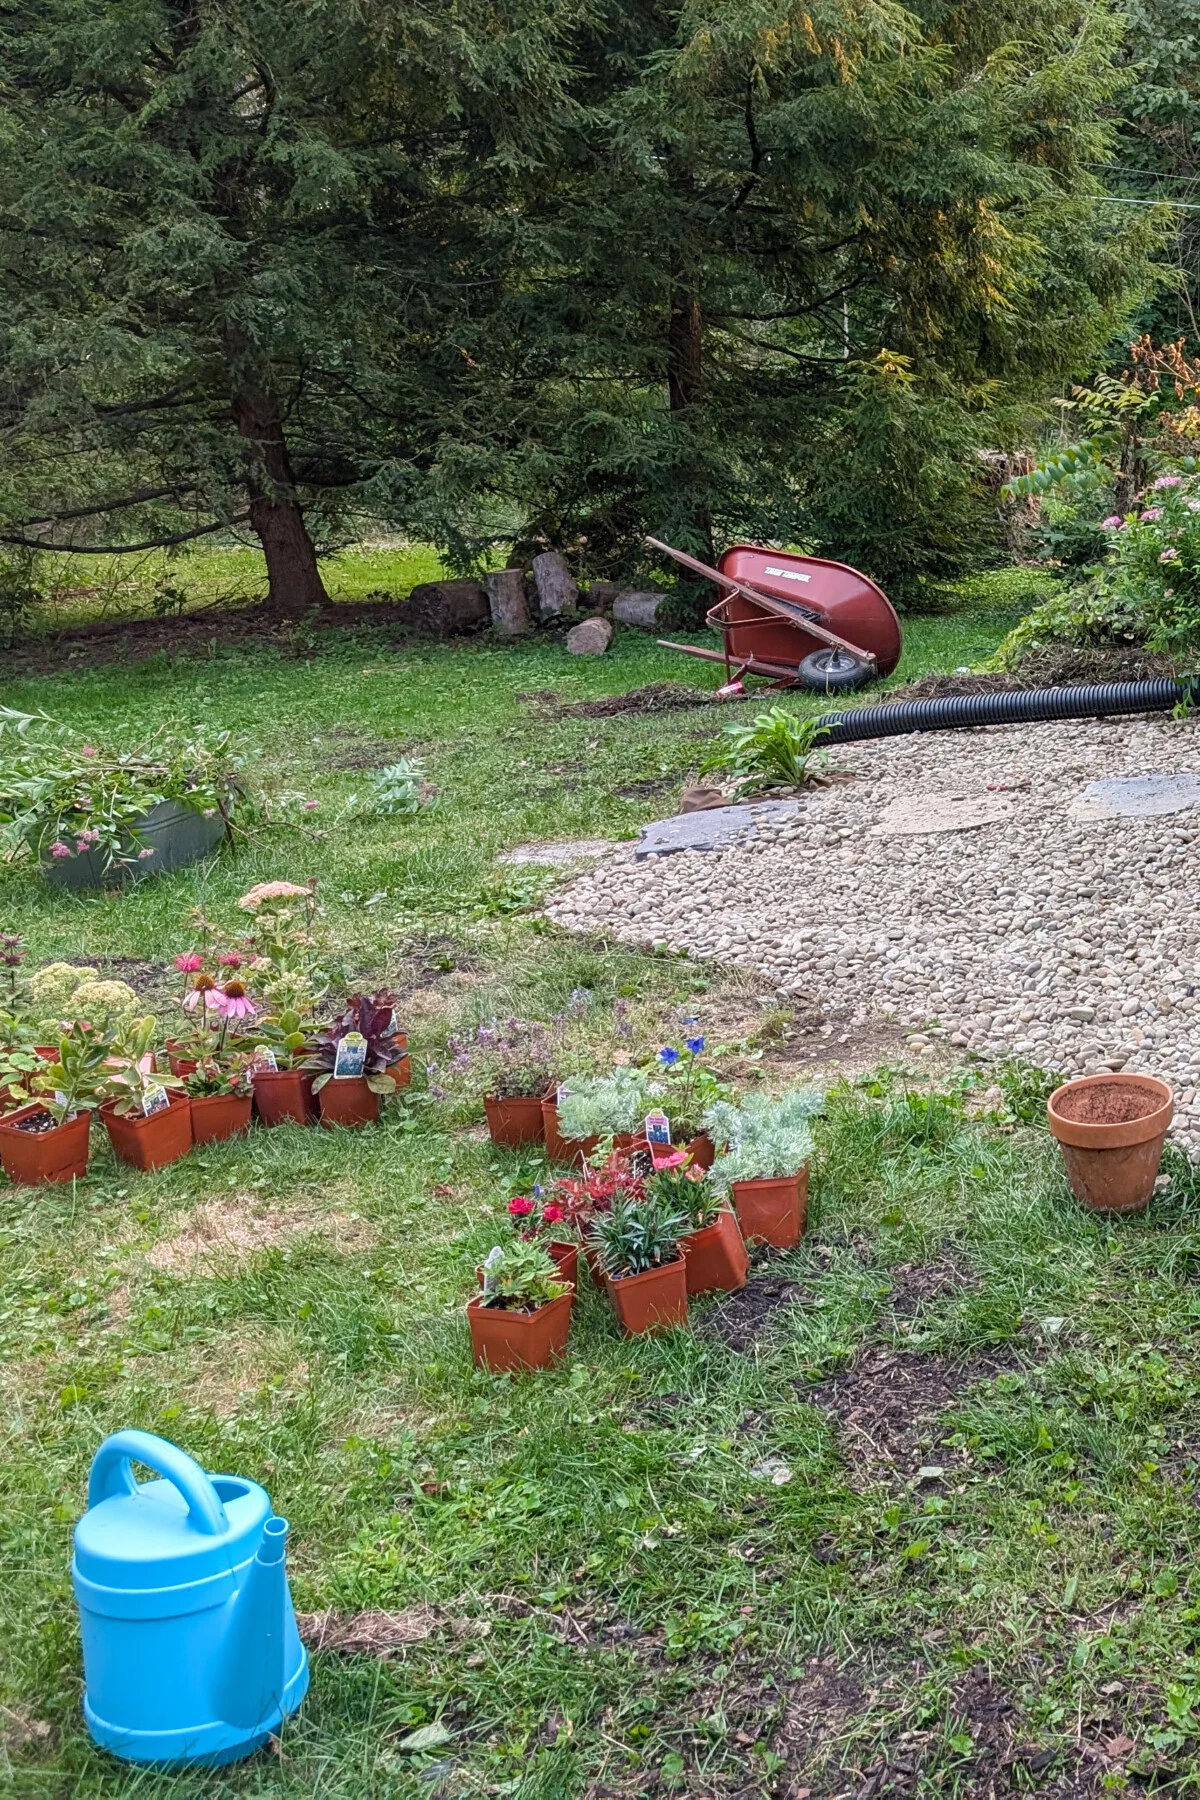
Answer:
(592, 638)
(557, 591)
(633, 607)
(446, 608)
(507, 599)
(1137, 797)
(911, 815)
(715, 829)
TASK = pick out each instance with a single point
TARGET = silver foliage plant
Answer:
(603, 1105)
(766, 1138)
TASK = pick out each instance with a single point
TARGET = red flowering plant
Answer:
(581, 1197)
(681, 1187)
(228, 1075)
(540, 1217)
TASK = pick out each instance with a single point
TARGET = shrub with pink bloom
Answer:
(1114, 522)
(1153, 566)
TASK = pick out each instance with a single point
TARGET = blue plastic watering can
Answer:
(190, 1648)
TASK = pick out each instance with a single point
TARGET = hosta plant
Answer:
(776, 750)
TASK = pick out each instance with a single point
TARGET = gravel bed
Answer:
(1071, 942)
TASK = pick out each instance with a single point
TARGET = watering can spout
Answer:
(255, 1674)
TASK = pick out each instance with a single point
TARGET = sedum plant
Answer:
(106, 1006)
(52, 989)
(520, 1276)
(636, 1235)
(603, 1105)
(765, 1138)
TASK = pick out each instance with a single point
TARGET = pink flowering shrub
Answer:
(1153, 564)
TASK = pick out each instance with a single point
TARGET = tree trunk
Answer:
(295, 584)
(685, 340)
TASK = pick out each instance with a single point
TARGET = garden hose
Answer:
(956, 712)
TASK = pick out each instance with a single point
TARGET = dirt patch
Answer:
(747, 1316)
(646, 790)
(223, 1230)
(888, 1407)
(658, 697)
(820, 1712)
(360, 752)
(380, 1634)
(1056, 666)
(18, 1732)
(916, 1285)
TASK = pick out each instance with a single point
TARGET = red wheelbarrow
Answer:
(799, 621)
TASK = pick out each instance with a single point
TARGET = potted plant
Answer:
(765, 1163)
(352, 1061)
(637, 1240)
(146, 1114)
(712, 1244)
(283, 1089)
(222, 1097)
(90, 817)
(521, 1318)
(47, 1138)
(590, 1108)
(1111, 1130)
(582, 1198)
(512, 1061)
(544, 1221)
(685, 1089)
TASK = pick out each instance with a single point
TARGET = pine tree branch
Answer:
(158, 543)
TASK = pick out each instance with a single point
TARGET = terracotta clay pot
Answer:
(1111, 1130)
(219, 1116)
(514, 1123)
(716, 1256)
(31, 1157)
(150, 1142)
(348, 1102)
(284, 1096)
(773, 1212)
(652, 1301)
(566, 1256)
(504, 1340)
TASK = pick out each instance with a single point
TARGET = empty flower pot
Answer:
(1111, 1130)
(218, 1116)
(59, 1153)
(652, 1301)
(773, 1212)
(348, 1102)
(716, 1256)
(284, 1097)
(515, 1122)
(150, 1141)
(505, 1340)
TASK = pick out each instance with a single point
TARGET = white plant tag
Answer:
(658, 1128)
(264, 1060)
(351, 1057)
(393, 1024)
(155, 1100)
(560, 1093)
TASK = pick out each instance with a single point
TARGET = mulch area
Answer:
(1061, 666)
(657, 697)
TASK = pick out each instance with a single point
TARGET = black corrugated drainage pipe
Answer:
(955, 712)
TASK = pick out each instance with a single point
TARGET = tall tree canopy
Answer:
(229, 264)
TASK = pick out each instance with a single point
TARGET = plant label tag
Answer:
(658, 1128)
(393, 1025)
(155, 1100)
(351, 1057)
(560, 1093)
(60, 1099)
(641, 1164)
(264, 1061)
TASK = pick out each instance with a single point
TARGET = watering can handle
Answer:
(112, 1475)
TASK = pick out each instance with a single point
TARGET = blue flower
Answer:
(695, 1045)
(668, 1055)
(537, 1190)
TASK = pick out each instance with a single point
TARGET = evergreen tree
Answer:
(235, 237)
(797, 263)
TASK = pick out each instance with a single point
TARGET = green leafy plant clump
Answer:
(604, 1105)
(765, 1138)
(639, 1233)
(520, 1275)
(778, 749)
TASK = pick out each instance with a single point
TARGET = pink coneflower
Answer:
(190, 963)
(233, 1002)
(59, 849)
(203, 986)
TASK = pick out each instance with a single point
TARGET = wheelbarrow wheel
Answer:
(833, 671)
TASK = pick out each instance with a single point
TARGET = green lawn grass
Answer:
(627, 1599)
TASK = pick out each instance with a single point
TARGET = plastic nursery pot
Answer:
(503, 1340)
(150, 1141)
(218, 1116)
(1111, 1130)
(652, 1301)
(181, 1065)
(401, 1072)
(31, 1157)
(284, 1096)
(716, 1256)
(348, 1102)
(773, 1212)
(512, 1123)
(702, 1151)
(566, 1260)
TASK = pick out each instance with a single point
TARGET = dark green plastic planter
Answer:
(177, 835)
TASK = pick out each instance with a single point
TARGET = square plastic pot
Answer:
(505, 1341)
(652, 1301)
(32, 1157)
(716, 1256)
(773, 1212)
(154, 1141)
(284, 1097)
(513, 1123)
(219, 1116)
(348, 1102)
